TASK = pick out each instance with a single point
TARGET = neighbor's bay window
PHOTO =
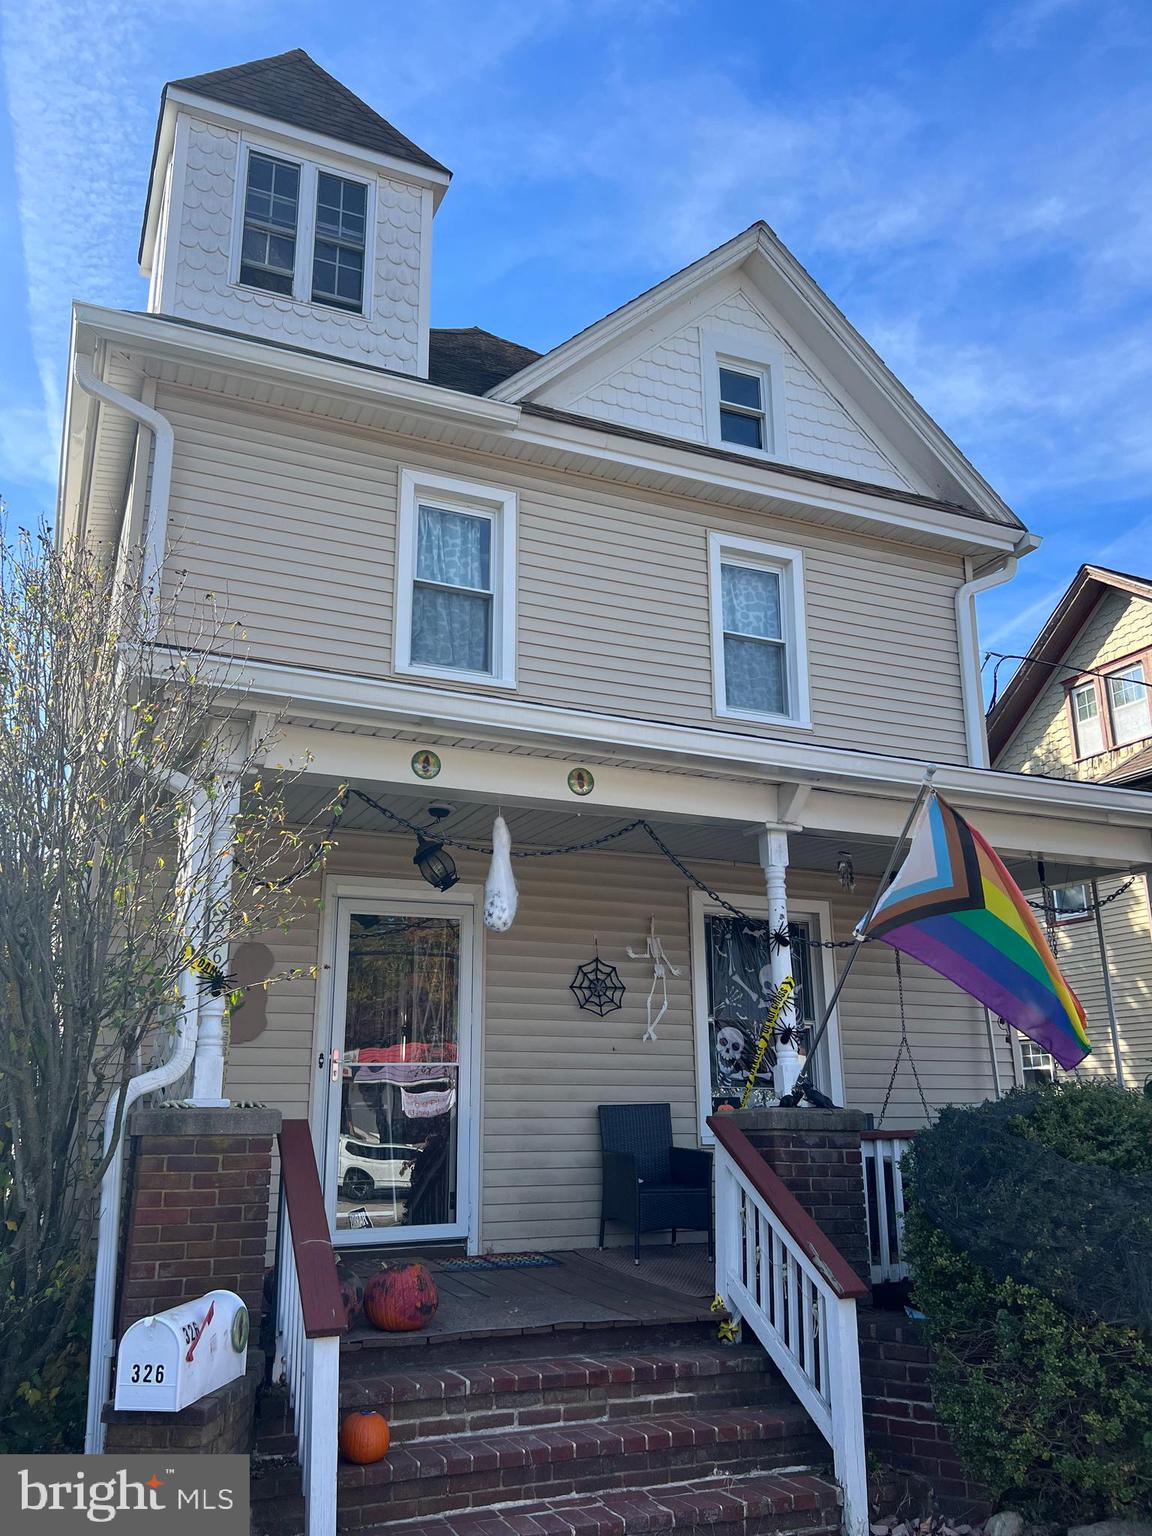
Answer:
(1128, 704)
(1086, 718)
(305, 232)
(758, 631)
(456, 581)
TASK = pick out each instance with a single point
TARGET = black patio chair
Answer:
(647, 1183)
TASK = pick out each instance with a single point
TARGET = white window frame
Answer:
(818, 914)
(477, 500)
(746, 353)
(305, 227)
(788, 564)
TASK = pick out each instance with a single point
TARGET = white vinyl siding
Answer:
(292, 524)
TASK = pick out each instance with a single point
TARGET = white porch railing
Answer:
(309, 1321)
(884, 1189)
(781, 1275)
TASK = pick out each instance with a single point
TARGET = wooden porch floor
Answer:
(583, 1289)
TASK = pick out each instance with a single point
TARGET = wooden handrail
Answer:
(767, 1183)
(903, 1135)
(312, 1251)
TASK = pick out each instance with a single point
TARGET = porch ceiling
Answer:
(700, 842)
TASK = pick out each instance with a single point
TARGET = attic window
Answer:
(744, 393)
(742, 408)
(271, 202)
(338, 254)
(306, 233)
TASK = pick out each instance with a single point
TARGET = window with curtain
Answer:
(755, 649)
(452, 593)
(1086, 719)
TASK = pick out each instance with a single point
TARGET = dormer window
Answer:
(744, 393)
(271, 203)
(305, 232)
(338, 256)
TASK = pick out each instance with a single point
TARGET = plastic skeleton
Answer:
(654, 950)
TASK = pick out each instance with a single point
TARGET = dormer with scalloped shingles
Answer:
(284, 207)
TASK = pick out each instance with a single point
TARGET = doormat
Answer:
(498, 1261)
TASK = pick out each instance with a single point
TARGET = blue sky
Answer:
(970, 182)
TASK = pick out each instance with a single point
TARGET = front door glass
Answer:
(399, 1075)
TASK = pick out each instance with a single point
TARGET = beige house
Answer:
(1078, 708)
(687, 601)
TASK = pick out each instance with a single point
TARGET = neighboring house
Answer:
(706, 564)
(1078, 707)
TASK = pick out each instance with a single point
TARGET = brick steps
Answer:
(474, 1471)
(521, 1394)
(797, 1503)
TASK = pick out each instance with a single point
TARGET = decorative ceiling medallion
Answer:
(425, 765)
(581, 782)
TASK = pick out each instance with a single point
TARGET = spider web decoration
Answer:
(597, 987)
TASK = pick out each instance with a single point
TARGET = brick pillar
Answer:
(197, 1208)
(816, 1153)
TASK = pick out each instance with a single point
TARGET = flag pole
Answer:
(858, 933)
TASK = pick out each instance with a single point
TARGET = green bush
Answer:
(1051, 1409)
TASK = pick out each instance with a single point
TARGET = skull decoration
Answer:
(730, 1048)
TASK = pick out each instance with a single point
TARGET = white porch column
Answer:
(774, 863)
(208, 1067)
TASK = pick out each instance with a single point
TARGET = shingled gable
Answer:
(829, 337)
(1051, 645)
(292, 88)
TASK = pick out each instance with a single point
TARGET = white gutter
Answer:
(111, 1186)
(968, 637)
(156, 515)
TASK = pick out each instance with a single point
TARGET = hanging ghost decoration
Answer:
(500, 893)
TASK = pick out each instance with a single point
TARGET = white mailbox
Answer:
(172, 1358)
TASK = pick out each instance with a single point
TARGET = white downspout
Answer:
(196, 847)
(968, 639)
(156, 515)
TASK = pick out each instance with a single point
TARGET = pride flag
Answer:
(954, 906)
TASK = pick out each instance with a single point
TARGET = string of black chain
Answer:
(905, 1048)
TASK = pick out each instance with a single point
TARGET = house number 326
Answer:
(147, 1374)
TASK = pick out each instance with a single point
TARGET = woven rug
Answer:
(498, 1261)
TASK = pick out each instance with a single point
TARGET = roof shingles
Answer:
(292, 88)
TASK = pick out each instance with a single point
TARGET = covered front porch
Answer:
(449, 1072)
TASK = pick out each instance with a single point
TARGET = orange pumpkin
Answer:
(401, 1300)
(364, 1437)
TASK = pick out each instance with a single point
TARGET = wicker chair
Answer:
(647, 1183)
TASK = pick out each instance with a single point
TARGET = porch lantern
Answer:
(436, 866)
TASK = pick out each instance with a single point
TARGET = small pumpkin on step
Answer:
(364, 1437)
(402, 1299)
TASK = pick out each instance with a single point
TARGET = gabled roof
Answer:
(292, 88)
(1052, 644)
(825, 331)
(473, 360)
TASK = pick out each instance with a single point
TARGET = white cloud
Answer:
(28, 446)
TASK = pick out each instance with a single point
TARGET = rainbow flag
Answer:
(954, 906)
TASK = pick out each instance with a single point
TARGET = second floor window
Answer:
(305, 233)
(758, 630)
(456, 580)
(1111, 709)
(452, 596)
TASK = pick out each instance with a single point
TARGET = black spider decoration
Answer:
(597, 987)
